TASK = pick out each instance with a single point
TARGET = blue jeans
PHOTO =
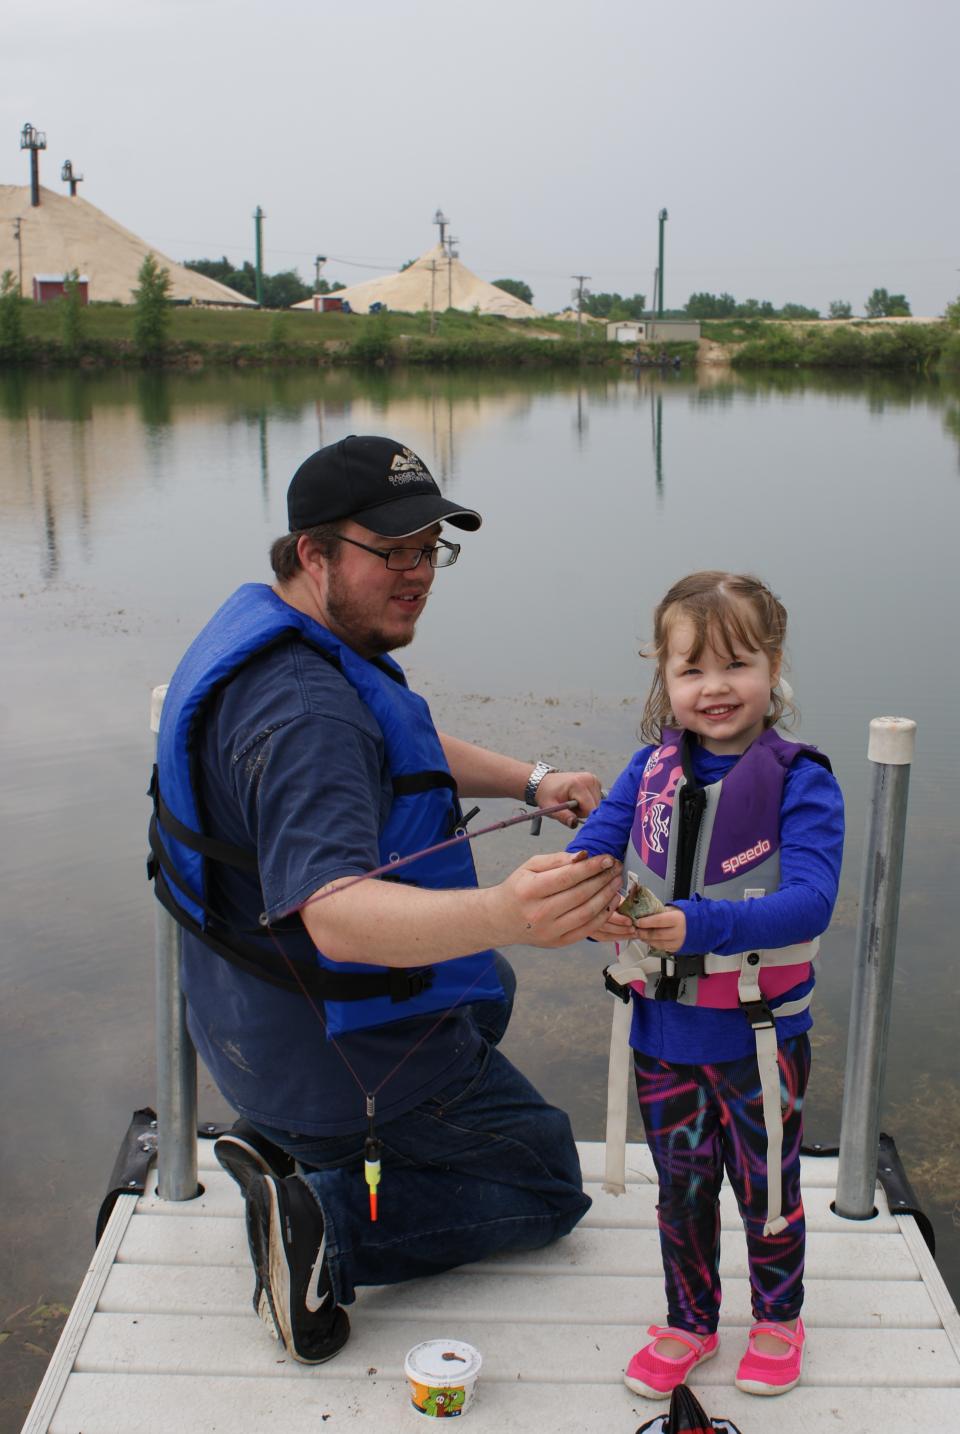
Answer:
(484, 1165)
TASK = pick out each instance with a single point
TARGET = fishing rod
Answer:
(372, 1145)
(534, 818)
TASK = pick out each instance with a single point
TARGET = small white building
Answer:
(653, 331)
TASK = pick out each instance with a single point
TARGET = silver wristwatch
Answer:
(533, 782)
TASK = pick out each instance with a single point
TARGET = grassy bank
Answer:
(902, 347)
(245, 338)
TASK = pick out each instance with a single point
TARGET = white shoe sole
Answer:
(754, 1386)
(278, 1295)
(648, 1391)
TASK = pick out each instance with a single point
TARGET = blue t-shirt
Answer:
(291, 765)
(811, 851)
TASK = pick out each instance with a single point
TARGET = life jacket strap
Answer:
(399, 983)
(220, 851)
(627, 969)
(411, 784)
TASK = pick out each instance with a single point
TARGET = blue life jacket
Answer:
(425, 810)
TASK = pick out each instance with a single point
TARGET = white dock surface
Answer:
(163, 1335)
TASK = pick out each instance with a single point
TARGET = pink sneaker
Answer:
(655, 1376)
(772, 1373)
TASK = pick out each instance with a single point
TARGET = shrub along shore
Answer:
(102, 336)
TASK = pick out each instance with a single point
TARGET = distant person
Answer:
(739, 834)
(359, 1031)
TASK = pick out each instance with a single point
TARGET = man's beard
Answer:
(354, 627)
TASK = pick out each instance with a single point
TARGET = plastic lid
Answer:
(443, 1362)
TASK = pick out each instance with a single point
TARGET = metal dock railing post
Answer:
(890, 749)
(176, 1057)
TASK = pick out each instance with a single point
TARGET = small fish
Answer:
(639, 902)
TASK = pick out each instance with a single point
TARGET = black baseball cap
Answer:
(377, 481)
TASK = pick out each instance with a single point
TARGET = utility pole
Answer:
(433, 294)
(258, 218)
(663, 219)
(441, 219)
(581, 280)
(33, 140)
(318, 264)
(451, 255)
(16, 235)
(69, 176)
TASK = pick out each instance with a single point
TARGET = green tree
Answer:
(882, 305)
(72, 327)
(516, 287)
(840, 309)
(952, 313)
(281, 291)
(12, 339)
(220, 269)
(711, 306)
(151, 316)
(756, 309)
(614, 306)
(798, 311)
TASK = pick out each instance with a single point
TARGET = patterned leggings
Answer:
(701, 1120)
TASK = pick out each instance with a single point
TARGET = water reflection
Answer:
(130, 505)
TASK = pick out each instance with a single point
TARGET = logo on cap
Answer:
(406, 467)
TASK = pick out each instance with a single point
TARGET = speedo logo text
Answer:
(734, 863)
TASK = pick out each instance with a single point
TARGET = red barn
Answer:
(53, 286)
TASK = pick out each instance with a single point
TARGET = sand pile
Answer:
(433, 281)
(64, 233)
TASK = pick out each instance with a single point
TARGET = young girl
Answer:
(740, 833)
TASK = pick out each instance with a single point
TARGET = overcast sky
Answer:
(805, 151)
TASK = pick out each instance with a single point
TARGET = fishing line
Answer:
(372, 1145)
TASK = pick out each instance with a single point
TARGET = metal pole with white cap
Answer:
(176, 1056)
(890, 749)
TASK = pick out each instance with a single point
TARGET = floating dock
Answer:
(163, 1335)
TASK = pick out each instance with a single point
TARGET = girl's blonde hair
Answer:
(727, 610)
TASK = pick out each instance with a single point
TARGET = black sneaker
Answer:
(288, 1247)
(244, 1152)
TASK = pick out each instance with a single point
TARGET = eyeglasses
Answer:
(404, 560)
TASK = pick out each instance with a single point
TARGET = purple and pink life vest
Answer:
(721, 841)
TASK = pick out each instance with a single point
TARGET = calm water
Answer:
(131, 506)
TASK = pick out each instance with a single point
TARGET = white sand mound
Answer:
(433, 281)
(64, 233)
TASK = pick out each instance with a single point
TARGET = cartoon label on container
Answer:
(442, 1374)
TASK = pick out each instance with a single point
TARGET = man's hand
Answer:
(666, 931)
(580, 787)
(613, 927)
(557, 898)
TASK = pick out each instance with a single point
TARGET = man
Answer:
(356, 1029)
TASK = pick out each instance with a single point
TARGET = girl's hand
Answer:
(613, 927)
(666, 931)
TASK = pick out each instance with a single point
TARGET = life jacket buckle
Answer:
(404, 985)
(614, 987)
(759, 1014)
(687, 966)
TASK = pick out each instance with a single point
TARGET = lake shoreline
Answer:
(102, 338)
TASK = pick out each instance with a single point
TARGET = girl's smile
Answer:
(723, 697)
